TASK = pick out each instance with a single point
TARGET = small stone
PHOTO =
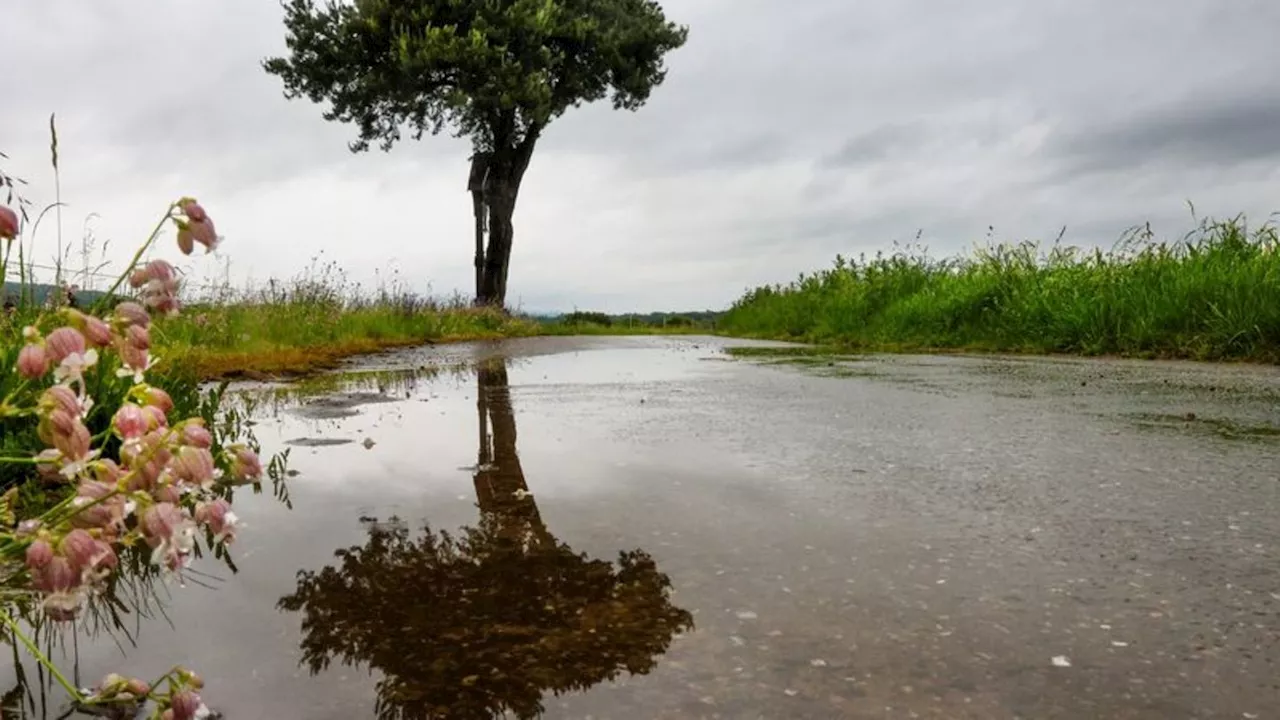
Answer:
(368, 443)
(1119, 643)
(1061, 661)
(747, 615)
(791, 693)
(818, 662)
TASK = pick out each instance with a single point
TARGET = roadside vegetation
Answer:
(1213, 295)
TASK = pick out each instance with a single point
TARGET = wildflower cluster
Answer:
(149, 480)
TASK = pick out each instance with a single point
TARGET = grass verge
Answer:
(293, 338)
(1214, 295)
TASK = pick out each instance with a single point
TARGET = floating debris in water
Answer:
(791, 693)
(1119, 643)
(1061, 661)
(368, 443)
(818, 662)
(747, 615)
(521, 494)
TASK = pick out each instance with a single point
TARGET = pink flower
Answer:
(71, 437)
(65, 342)
(168, 493)
(193, 211)
(185, 705)
(194, 465)
(195, 435)
(134, 359)
(162, 520)
(97, 331)
(245, 465)
(80, 548)
(156, 417)
(218, 517)
(131, 313)
(131, 422)
(170, 533)
(33, 362)
(28, 528)
(103, 508)
(60, 397)
(9, 223)
(139, 337)
(39, 555)
(107, 471)
(197, 231)
(57, 575)
(154, 271)
(156, 397)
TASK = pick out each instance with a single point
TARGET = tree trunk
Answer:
(497, 257)
(505, 170)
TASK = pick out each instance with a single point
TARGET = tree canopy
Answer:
(496, 71)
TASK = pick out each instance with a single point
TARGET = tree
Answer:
(496, 71)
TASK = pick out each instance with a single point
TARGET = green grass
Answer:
(1215, 294)
(218, 341)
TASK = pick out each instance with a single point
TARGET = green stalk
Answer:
(155, 233)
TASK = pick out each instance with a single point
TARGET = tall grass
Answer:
(1215, 294)
(315, 318)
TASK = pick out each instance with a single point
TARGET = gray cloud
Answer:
(1224, 132)
(786, 132)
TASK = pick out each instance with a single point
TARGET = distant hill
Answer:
(693, 318)
(39, 293)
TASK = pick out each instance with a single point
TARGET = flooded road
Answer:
(646, 528)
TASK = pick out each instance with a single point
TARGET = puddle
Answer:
(615, 528)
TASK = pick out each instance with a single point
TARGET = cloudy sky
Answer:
(786, 132)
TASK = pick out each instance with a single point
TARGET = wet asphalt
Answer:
(822, 537)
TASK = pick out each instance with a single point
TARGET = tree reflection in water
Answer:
(487, 620)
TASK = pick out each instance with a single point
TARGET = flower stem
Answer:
(155, 233)
(40, 657)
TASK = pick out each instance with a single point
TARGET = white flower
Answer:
(72, 368)
(138, 374)
(80, 468)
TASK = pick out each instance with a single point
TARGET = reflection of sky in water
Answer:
(847, 547)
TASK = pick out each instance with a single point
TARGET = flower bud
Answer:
(245, 464)
(112, 683)
(39, 554)
(194, 465)
(155, 417)
(63, 342)
(160, 520)
(60, 397)
(133, 357)
(194, 211)
(80, 548)
(195, 435)
(202, 231)
(75, 444)
(29, 528)
(131, 422)
(139, 337)
(168, 494)
(57, 576)
(97, 331)
(185, 705)
(9, 223)
(139, 688)
(33, 361)
(131, 313)
(157, 397)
